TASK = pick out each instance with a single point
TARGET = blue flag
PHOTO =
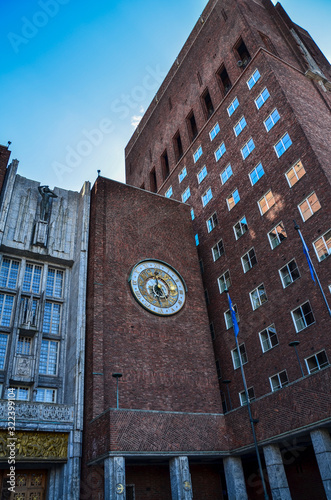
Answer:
(305, 251)
(233, 317)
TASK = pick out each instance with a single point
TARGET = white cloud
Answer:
(135, 120)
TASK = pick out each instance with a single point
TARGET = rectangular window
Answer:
(54, 283)
(317, 362)
(233, 106)
(192, 214)
(309, 206)
(46, 395)
(226, 174)
(218, 250)
(235, 356)
(295, 173)
(6, 308)
(322, 246)
(168, 193)
(52, 318)
(212, 222)
(266, 202)
(303, 317)
(268, 338)
(214, 131)
(186, 195)
(240, 228)
(243, 397)
(48, 357)
(196, 239)
(278, 381)
(228, 317)
(21, 393)
(8, 273)
(233, 199)
(182, 175)
(247, 148)
(220, 151)
(202, 174)
(178, 147)
(243, 54)
(271, 120)
(207, 104)
(153, 181)
(282, 145)
(192, 126)
(3, 349)
(197, 154)
(206, 197)
(261, 98)
(253, 79)
(224, 282)
(249, 260)
(256, 174)
(289, 273)
(258, 297)
(32, 278)
(165, 165)
(239, 126)
(277, 235)
(24, 345)
(224, 80)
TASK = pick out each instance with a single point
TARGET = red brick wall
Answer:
(4, 158)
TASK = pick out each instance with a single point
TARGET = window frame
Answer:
(186, 191)
(246, 145)
(295, 173)
(3, 350)
(279, 240)
(213, 223)
(260, 96)
(289, 273)
(182, 175)
(239, 125)
(241, 355)
(270, 117)
(325, 256)
(281, 384)
(44, 400)
(267, 203)
(214, 131)
(302, 316)
(309, 205)
(169, 190)
(268, 340)
(259, 296)
(230, 207)
(202, 174)
(252, 77)
(240, 222)
(197, 154)
(207, 197)
(257, 175)
(9, 277)
(49, 342)
(242, 393)
(220, 150)
(250, 260)
(319, 366)
(283, 149)
(3, 307)
(226, 279)
(229, 317)
(218, 248)
(231, 105)
(225, 171)
(54, 286)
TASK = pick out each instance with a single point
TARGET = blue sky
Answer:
(77, 75)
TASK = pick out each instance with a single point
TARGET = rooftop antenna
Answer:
(8, 144)
(99, 171)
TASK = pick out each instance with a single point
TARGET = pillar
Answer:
(180, 477)
(276, 473)
(235, 480)
(115, 478)
(322, 447)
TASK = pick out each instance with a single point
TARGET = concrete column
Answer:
(322, 447)
(115, 478)
(180, 477)
(276, 473)
(235, 480)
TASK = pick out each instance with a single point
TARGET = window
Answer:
(271, 120)
(224, 282)
(152, 181)
(218, 250)
(268, 338)
(309, 206)
(206, 197)
(277, 235)
(224, 80)
(239, 126)
(192, 214)
(207, 297)
(261, 98)
(323, 246)
(212, 222)
(214, 131)
(48, 357)
(258, 297)
(226, 174)
(178, 146)
(283, 145)
(202, 174)
(295, 173)
(130, 492)
(3, 349)
(182, 175)
(317, 362)
(52, 317)
(6, 308)
(218, 369)
(192, 126)
(32, 278)
(186, 195)
(20, 393)
(233, 199)
(24, 345)
(247, 148)
(244, 56)
(196, 239)
(266, 202)
(243, 397)
(8, 273)
(256, 174)
(208, 104)
(303, 317)
(197, 154)
(233, 106)
(249, 260)
(228, 317)
(168, 193)
(220, 151)
(278, 381)
(240, 228)
(289, 273)
(235, 356)
(46, 395)
(253, 79)
(54, 283)
(165, 165)
(201, 266)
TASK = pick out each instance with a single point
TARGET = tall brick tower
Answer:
(240, 131)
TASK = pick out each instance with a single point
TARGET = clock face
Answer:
(157, 287)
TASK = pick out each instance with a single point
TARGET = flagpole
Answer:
(297, 227)
(251, 419)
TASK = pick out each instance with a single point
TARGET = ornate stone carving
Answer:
(39, 411)
(36, 445)
(40, 233)
(23, 367)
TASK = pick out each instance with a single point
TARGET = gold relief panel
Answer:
(36, 445)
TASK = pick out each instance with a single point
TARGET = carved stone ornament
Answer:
(23, 367)
(41, 412)
(31, 446)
